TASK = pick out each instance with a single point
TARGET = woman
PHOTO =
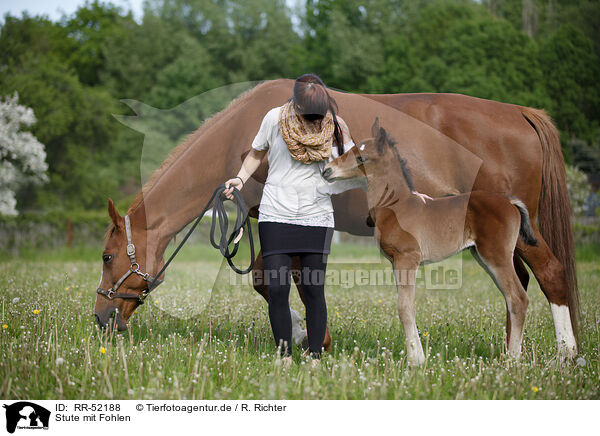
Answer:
(295, 212)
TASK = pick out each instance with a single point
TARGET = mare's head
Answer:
(115, 264)
(370, 157)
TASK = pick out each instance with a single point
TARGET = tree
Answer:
(191, 74)
(135, 55)
(571, 70)
(89, 29)
(22, 156)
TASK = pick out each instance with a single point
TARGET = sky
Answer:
(55, 8)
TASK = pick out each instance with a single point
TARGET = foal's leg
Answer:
(501, 269)
(405, 271)
(550, 274)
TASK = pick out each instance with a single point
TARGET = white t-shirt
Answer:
(295, 192)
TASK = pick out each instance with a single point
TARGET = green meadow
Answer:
(205, 334)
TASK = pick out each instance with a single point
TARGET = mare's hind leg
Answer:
(524, 279)
(298, 333)
(521, 271)
(501, 269)
(550, 274)
(405, 271)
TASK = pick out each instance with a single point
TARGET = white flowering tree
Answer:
(579, 189)
(22, 156)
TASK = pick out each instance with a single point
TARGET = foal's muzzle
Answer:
(326, 173)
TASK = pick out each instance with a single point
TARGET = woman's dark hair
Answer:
(312, 101)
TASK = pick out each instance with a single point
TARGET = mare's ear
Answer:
(375, 128)
(114, 215)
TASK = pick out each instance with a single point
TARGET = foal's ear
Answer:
(114, 215)
(375, 128)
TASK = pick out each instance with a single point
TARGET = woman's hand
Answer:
(250, 164)
(236, 182)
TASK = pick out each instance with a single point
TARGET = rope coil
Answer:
(219, 214)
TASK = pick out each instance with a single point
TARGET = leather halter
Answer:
(112, 293)
(219, 215)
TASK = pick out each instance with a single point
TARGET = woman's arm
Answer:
(250, 164)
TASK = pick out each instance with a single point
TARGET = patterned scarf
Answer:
(307, 142)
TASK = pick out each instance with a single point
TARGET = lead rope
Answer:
(219, 214)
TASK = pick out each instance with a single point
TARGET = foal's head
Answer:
(376, 158)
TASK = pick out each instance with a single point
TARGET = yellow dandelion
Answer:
(67, 288)
(103, 350)
(535, 389)
(380, 301)
(4, 326)
(35, 312)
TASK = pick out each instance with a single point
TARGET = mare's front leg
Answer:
(405, 271)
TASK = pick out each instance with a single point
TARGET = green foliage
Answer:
(190, 74)
(74, 123)
(541, 53)
(137, 55)
(90, 28)
(579, 189)
(571, 71)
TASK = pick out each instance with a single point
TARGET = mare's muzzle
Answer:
(109, 318)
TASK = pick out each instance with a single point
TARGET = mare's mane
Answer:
(189, 142)
(176, 153)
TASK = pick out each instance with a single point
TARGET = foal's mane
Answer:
(191, 139)
(386, 139)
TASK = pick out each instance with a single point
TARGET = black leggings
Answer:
(312, 281)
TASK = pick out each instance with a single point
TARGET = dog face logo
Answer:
(26, 415)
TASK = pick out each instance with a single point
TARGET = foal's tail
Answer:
(525, 230)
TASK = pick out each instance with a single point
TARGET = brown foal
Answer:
(411, 231)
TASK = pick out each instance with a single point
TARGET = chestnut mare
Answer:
(409, 231)
(455, 143)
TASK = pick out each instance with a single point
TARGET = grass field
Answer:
(200, 338)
